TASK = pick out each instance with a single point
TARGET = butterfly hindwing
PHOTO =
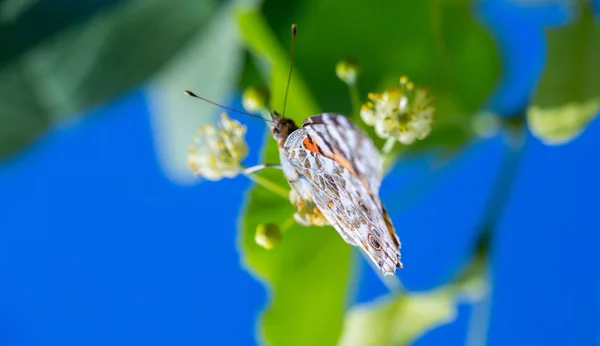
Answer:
(340, 139)
(348, 206)
(332, 162)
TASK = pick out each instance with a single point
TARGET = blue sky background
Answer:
(98, 247)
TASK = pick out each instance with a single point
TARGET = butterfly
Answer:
(328, 160)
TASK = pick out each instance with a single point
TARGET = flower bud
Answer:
(254, 100)
(267, 235)
(347, 71)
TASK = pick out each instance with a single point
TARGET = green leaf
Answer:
(308, 272)
(209, 65)
(397, 320)
(437, 44)
(91, 63)
(568, 96)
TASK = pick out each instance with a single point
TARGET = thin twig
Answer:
(355, 99)
(388, 146)
(257, 168)
(507, 174)
(479, 321)
(267, 184)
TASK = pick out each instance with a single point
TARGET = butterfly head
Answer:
(281, 128)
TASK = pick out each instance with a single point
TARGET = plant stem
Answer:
(479, 321)
(386, 153)
(355, 99)
(388, 146)
(267, 184)
(499, 197)
(289, 222)
(254, 169)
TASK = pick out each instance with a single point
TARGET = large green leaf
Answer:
(209, 65)
(93, 62)
(437, 44)
(568, 96)
(398, 320)
(307, 273)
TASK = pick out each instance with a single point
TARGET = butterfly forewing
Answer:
(340, 168)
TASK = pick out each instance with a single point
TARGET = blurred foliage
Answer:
(92, 62)
(398, 319)
(25, 23)
(438, 44)
(568, 95)
(209, 64)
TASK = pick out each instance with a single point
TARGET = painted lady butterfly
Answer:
(332, 162)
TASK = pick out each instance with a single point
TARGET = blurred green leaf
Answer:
(10, 10)
(24, 24)
(437, 44)
(209, 65)
(397, 320)
(93, 62)
(307, 273)
(568, 96)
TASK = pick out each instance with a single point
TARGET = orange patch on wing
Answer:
(311, 146)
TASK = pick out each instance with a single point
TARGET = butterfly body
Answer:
(332, 163)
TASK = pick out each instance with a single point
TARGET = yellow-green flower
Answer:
(216, 151)
(402, 113)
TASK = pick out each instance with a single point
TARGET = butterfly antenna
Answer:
(189, 93)
(287, 87)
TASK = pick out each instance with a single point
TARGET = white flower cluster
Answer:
(403, 113)
(216, 151)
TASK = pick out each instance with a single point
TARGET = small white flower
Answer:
(367, 113)
(402, 113)
(216, 151)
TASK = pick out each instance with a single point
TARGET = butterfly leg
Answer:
(257, 168)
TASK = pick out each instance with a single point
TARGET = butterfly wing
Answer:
(334, 136)
(343, 141)
(347, 206)
(341, 168)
